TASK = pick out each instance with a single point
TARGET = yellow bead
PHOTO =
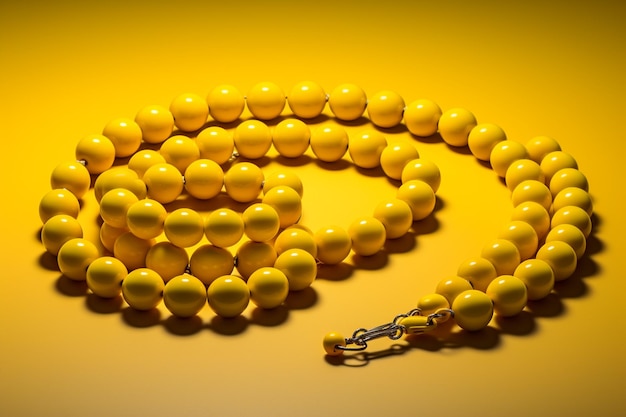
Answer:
(132, 250)
(266, 101)
(295, 237)
(145, 218)
(252, 139)
(347, 102)
(268, 287)
(473, 310)
(431, 303)
(184, 227)
(524, 237)
(254, 255)
(333, 244)
(243, 182)
(190, 112)
(329, 143)
(385, 109)
(224, 227)
(184, 295)
(556, 161)
(451, 287)
(291, 138)
(156, 123)
(307, 99)
(114, 206)
(105, 275)
(534, 214)
(98, 153)
(504, 154)
(226, 103)
(538, 147)
(503, 254)
(180, 151)
(571, 235)
(287, 203)
(396, 215)
(455, 126)
(424, 170)
(209, 262)
(395, 157)
(125, 134)
(144, 159)
(299, 266)
(419, 196)
(483, 138)
(260, 222)
(368, 236)
(330, 343)
(72, 176)
(572, 215)
(204, 179)
(75, 256)
(167, 260)
(573, 196)
(365, 149)
(538, 277)
(421, 117)
(142, 289)
(522, 170)
(478, 271)
(283, 178)
(215, 143)
(59, 229)
(109, 234)
(164, 183)
(566, 178)
(119, 177)
(509, 295)
(228, 296)
(58, 201)
(561, 258)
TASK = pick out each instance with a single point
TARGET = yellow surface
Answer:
(534, 68)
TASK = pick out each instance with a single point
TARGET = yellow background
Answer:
(533, 67)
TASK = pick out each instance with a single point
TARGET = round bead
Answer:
(473, 310)
(532, 190)
(347, 102)
(561, 258)
(215, 143)
(228, 296)
(504, 154)
(534, 214)
(455, 126)
(333, 244)
(144, 159)
(385, 109)
(431, 303)
(59, 229)
(424, 170)
(396, 215)
(156, 123)
(105, 275)
(395, 157)
(184, 227)
(538, 147)
(329, 143)
(571, 235)
(75, 256)
(572, 215)
(368, 236)
(167, 260)
(190, 112)
(209, 262)
(58, 201)
(291, 138)
(132, 250)
(421, 117)
(226, 103)
(538, 277)
(224, 227)
(287, 203)
(243, 182)
(98, 153)
(268, 287)
(509, 295)
(252, 139)
(478, 271)
(125, 134)
(566, 178)
(330, 343)
(114, 206)
(299, 266)
(366, 148)
(307, 99)
(556, 161)
(280, 178)
(142, 289)
(184, 295)
(419, 196)
(503, 254)
(573, 196)
(260, 222)
(109, 234)
(483, 138)
(204, 179)
(145, 218)
(180, 151)
(164, 183)
(119, 177)
(522, 170)
(266, 101)
(254, 255)
(524, 237)
(295, 237)
(451, 287)
(72, 176)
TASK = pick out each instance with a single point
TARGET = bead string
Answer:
(542, 243)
